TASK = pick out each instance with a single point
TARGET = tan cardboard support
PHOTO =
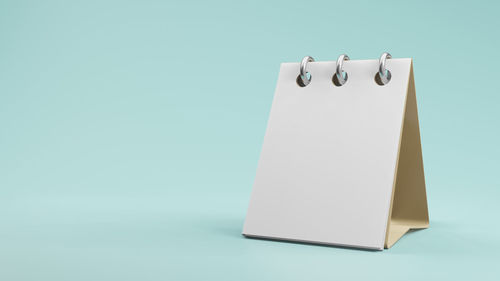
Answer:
(409, 202)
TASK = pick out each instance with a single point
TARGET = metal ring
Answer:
(339, 72)
(303, 70)
(383, 73)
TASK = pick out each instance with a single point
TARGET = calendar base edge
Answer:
(310, 242)
(400, 228)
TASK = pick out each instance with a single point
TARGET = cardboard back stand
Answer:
(341, 162)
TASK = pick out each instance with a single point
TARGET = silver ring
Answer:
(339, 72)
(303, 70)
(383, 73)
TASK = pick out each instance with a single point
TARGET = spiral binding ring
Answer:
(383, 73)
(339, 72)
(303, 71)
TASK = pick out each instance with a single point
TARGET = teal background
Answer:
(130, 134)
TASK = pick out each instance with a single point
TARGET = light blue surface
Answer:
(130, 134)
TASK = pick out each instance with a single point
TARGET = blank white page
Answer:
(327, 165)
